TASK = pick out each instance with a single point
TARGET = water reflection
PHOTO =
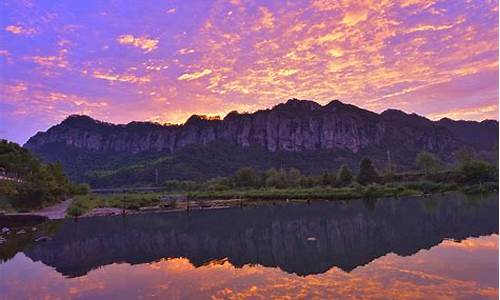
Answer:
(444, 272)
(259, 252)
(297, 239)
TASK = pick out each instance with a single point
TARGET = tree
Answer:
(427, 162)
(463, 156)
(328, 179)
(367, 173)
(478, 171)
(218, 184)
(389, 172)
(39, 184)
(246, 177)
(274, 178)
(293, 177)
(181, 185)
(344, 176)
(310, 181)
(80, 188)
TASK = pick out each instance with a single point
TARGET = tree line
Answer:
(467, 170)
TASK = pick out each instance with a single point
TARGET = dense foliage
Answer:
(27, 183)
(216, 159)
(468, 172)
(344, 176)
(427, 162)
(367, 172)
(248, 184)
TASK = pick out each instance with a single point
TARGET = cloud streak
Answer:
(194, 75)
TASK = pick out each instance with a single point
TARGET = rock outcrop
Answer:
(296, 125)
(301, 134)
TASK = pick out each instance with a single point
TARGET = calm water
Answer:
(434, 248)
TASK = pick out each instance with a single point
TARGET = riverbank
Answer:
(54, 212)
(132, 203)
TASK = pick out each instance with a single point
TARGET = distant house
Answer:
(6, 176)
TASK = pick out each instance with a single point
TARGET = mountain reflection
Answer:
(301, 239)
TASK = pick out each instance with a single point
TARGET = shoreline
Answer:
(246, 203)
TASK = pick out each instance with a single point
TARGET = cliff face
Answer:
(297, 134)
(296, 125)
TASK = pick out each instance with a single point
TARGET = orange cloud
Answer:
(120, 77)
(438, 273)
(20, 30)
(474, 244)
(266, 20)
(49, 61)
(489, 111)
(195, 75)
(353, 17)
(184, 51)
(144, 43)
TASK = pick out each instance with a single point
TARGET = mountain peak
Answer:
(401, 116)
(79, 121)
(295, 105)
(77, 117)
(336, 103)
(201, 119)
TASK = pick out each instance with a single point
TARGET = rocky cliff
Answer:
(299, 133)
(296, 125)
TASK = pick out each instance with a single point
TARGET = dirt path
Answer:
(57, 211)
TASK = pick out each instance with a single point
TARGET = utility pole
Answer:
(156, 176)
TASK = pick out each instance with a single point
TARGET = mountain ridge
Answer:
(336, 132)
(292, 106)
(384, 113)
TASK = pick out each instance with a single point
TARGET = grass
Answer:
(305, 193)
(83, 203)
(354, 191)
(481, 188)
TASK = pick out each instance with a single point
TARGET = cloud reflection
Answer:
(426, 274)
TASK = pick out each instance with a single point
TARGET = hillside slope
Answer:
(298, 133)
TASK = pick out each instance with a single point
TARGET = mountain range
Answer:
(299, 133)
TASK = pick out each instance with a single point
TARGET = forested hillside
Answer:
(27, 183)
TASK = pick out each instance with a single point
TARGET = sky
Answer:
(163, 61)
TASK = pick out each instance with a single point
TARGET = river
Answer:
(441, 247)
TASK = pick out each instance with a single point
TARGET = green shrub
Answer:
(76, 211)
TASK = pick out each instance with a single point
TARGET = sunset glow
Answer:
(391, 276)
(166, 60)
